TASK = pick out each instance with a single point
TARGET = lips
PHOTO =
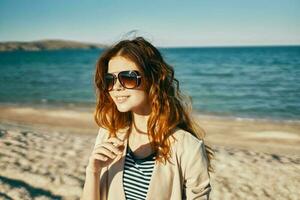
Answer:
(121, 99)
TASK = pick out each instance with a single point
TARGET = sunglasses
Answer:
(128, 79)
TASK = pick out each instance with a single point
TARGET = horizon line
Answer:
(165, 46)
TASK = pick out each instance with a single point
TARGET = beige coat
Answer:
(186, 178)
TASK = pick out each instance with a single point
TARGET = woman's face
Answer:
(135, 100)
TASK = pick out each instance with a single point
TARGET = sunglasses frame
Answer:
(115, 77)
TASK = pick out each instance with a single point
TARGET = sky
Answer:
(163, 22)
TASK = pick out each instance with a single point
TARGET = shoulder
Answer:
(190, 151)
(186, 138)
(102, 135)
(186, 144)
(102, 132)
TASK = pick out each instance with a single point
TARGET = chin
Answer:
(123, 108)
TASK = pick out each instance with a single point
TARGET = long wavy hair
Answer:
(170, 109)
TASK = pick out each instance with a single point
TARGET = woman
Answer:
(147, 146)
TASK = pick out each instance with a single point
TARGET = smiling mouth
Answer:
(121, 99)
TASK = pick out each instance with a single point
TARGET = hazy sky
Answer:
(164, 22)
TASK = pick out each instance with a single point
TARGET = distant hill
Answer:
(47, 45)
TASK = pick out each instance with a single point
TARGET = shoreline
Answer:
(90, 107)
(278, 137)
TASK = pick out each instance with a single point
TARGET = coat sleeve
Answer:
(196, 183)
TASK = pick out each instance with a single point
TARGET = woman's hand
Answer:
(104, 153)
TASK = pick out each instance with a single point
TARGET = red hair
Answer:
(170, 109)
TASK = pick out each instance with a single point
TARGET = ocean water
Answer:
(243, 82)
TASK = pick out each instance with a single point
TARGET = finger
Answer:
(112, 148)
(100, 157)
(116, 141)
(105, 152)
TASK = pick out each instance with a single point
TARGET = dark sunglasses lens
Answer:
(128, 79)
(109, 81)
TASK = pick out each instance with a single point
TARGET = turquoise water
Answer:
(246, 82)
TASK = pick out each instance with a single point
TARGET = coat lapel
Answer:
(161, 181)
(153, 181)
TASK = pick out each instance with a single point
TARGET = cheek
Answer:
(139, 96)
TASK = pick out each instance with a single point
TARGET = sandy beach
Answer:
(44, 153)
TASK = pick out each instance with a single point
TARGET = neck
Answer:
(140, 124)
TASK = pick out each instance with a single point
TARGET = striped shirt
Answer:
(137, 175)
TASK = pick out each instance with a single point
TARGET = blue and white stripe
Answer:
(137, 175)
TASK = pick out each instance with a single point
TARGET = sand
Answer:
(44, 152)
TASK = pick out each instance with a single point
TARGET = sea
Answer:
(255, 82)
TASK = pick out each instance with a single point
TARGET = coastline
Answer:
(263, 135)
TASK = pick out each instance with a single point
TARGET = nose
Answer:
(117, 86)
